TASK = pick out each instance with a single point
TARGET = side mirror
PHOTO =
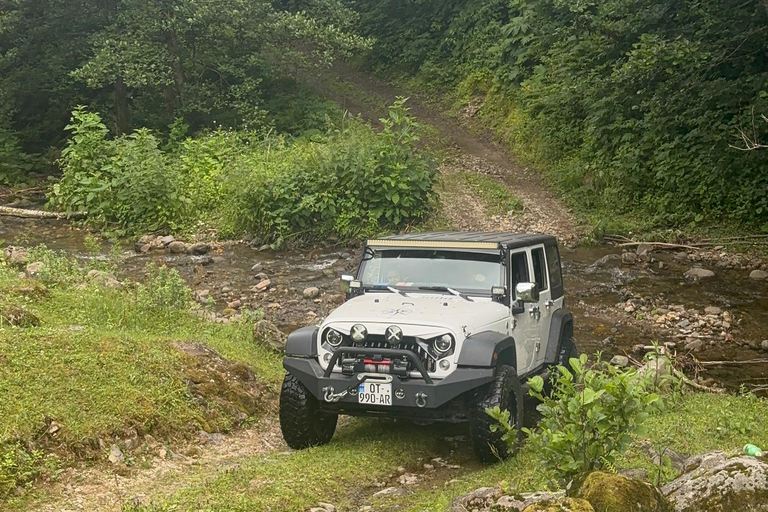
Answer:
(527, 292)
(344, 283)
(498, 293)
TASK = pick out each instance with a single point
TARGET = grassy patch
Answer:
(496, 197)
(103, 363)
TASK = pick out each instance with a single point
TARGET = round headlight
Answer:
(333, 337)
(358, 333)
(393, 335)
(442, 344)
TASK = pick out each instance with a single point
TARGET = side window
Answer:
(553, 262)
(539, 269)
(519, 269)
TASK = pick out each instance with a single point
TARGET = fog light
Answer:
(400, 394)
(358, 333)
(445, 364)
(327, 357)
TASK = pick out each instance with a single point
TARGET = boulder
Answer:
(17, 256)
(644, 250)
(167, 240)
(198, 249)
(657, 369)
(267, 333)
(311, 292)
(608, 492)
(561, 505)
(104, 279)
(34, 269)
(758, 275)
(177, 247)
(697, 273)
(714, 483)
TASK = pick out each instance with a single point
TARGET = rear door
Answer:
(545, 261)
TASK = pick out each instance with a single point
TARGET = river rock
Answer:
(167, 240)
(694, 346)
(311, 292)
(235, 304)
(202, 295)
(267, 333)
(629, 258)
(104, 279)
(758, 275)
(697, 273)
(262, 285)
(116, 455)
(198, 249)
(177, 247)
(657, 369)
(714, 483)
(34, 269)
(257, 268)
(609, 492)
(605, 260)
(619, 360)
(644, 250)
(17, 256)
(712, 310)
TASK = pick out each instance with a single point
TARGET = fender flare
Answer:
(302, 342)
(483, 349)
(561, 326)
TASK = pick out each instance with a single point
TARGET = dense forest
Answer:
(640, 107)
(631, 105)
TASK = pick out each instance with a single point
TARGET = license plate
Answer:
(374, 393)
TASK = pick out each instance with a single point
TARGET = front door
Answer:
(523, 326)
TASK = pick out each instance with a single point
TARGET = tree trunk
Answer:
(122, 110)
(177, 66)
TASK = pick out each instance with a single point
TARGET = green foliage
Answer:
(18, 467)
(14, 164)
(349, 181)
(164, 288)
(591, 416)
(498, 199)
(631, 106)
(128, 182)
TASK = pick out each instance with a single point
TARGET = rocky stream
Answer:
(710, 307)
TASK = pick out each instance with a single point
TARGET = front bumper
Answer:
(417, 393)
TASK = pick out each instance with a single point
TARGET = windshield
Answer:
(462, 271)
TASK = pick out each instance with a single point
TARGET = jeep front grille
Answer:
(408, 343)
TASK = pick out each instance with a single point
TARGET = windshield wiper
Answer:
(385, 287)
(445, 289)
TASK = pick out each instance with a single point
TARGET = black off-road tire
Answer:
(302, 423)
(506, 392)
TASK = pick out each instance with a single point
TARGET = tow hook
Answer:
(330, 395)
(421, 399)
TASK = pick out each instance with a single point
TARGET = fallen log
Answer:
(39, 214)
(661, 244)
(724, 363)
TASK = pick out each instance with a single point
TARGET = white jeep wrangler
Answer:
(436, 327)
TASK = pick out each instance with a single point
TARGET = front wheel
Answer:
(506, 392)
(302, 423)
(566, 351)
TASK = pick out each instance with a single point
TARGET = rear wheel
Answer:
(302, 423)
(505, 391)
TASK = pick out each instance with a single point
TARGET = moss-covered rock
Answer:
(18, 317)
(561, 505)
(608, 492)
(714, 483)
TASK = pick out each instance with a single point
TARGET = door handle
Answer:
(548, 304)
(534, 311)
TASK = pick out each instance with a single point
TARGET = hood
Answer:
(419, 314)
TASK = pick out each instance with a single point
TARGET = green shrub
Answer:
(163, 288)
(127, 182)
(350, 181)
(590, 417)
(14, 164)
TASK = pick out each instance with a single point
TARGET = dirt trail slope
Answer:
(362, 94)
